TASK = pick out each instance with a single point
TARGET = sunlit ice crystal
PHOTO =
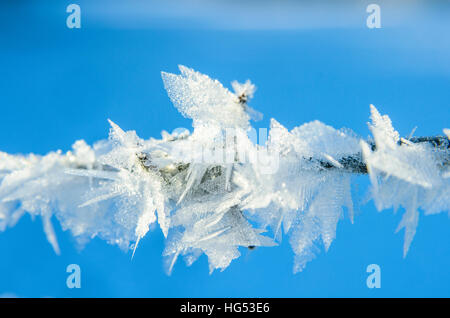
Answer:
(205, 100)
(404, 174)
(299, 197)
(217, 190)
(38, 185)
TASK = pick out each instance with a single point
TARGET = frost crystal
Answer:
(216, 190)
(405, 174)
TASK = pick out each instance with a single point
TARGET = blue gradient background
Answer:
(58, 85)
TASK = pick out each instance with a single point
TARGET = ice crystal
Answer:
(215, 190)
(405, 174)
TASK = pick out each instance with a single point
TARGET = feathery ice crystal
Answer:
(215, 190)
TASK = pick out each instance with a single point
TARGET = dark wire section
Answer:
(355, 164)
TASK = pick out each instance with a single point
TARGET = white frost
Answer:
(210, 191)
(404, 175)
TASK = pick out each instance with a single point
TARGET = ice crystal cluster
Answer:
(216, 190)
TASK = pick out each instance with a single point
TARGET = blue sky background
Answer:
(308, 61)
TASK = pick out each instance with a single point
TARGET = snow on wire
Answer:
(215, 190)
